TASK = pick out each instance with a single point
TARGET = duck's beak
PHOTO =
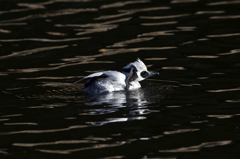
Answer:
(150, 74)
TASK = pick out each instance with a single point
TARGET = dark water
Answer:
(190, 111)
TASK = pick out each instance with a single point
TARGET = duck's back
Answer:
(106, 81)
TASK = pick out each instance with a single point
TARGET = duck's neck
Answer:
(134, 85)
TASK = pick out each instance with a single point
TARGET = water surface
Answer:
(191, 110)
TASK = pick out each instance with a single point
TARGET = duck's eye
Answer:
(144, 74)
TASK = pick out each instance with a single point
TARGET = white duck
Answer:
(109, 81)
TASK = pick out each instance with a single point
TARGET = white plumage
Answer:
(109, 81)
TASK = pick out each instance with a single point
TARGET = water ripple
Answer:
(161, 23)
(4, 119)
(29, 52)
(69, 151)
(53, 143)
(31, 6)
(199, 122)
(5, 31)
(48, 78)
(95, 25)
(159, 33)
(14, 10)
(224, 90)
(225, 17)
(25, 123)
(51, 14)
(210, 12)
(102, 28)
(187, 28)
(51, 2)
(198, 147)
(98, 111)
(125, 43)
(145, 9)
(223, 3)
(203, 56)
(233, 101)
(44, 40)
(103, 17)
(223, 35)
(155, 59)
(88, 60)
(235, 51)
(183, 1)
(179, 131)
(164, 17)
(12, 24)
(11, 115)
(121, 4)
(43, 131)
(117, 51)
(114, 120)
(173, 68)
(222, 116)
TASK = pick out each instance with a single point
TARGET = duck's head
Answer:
(137, 71)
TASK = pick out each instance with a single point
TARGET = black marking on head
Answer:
(132, 76)
(144, 74)
(129, 68)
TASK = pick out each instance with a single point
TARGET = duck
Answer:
(111, 81)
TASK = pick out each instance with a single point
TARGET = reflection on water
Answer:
(121, 4)
(136, 101)
(156, 24)
(224, 90)
(179, 131)
(183, 1)
(191, 109)
(223, 3)
(164, 17)
(197, 147)
(119, 98)
(97, 146)
(203, 56)
(125, 43)
(210, 12)
(99, 123)
(54, 143)
(223, 35)
(44, 40)
(42, 131)
(29, 52)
